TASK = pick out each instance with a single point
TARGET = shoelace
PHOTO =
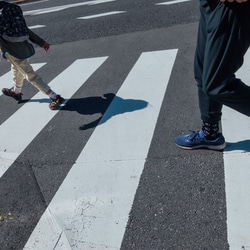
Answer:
(194, 136)
(55, 100)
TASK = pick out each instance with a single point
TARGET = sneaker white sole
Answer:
(212, 147)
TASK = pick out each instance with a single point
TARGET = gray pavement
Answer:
(180, 201)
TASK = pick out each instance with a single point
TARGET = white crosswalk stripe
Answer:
(39, 113)
(236, 128)
(100, 187)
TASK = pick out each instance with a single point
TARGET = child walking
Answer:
(15, 47)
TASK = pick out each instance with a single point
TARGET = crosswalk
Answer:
(110, 166)
(37, 108)
(134, 113)
(90, 209)
(236, 129)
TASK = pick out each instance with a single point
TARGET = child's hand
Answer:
(46, 47)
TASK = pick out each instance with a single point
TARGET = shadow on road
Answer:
(241, 145)
(99, 105)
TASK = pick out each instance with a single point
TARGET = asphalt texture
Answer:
(180, 201)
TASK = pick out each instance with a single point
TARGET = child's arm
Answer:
(33, 37)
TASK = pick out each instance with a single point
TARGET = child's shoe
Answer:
(10, 92)
(55, 103)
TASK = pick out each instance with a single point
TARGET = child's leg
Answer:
(22, 67)
(17, 79)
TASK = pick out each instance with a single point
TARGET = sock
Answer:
(210, 130)
(52, 95)
(17, 90)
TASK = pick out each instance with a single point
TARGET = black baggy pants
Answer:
(223, 39)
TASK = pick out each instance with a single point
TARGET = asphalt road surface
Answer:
(103, 172)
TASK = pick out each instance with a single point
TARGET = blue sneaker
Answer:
(198, 140)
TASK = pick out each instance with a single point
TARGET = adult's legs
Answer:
(209, 108)
(224, 39)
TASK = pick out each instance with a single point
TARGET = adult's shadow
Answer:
(241, 145)
(99, 105)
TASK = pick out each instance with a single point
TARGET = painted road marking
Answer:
(102, 14)
(37, 26)
(173, 2)
(41, 1)
(6, 80)
(63, 7)
(236, 129)
(29, 116)
(91, 208)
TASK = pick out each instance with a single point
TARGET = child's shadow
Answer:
(99, 104)
(43, 100)
(241, 145)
